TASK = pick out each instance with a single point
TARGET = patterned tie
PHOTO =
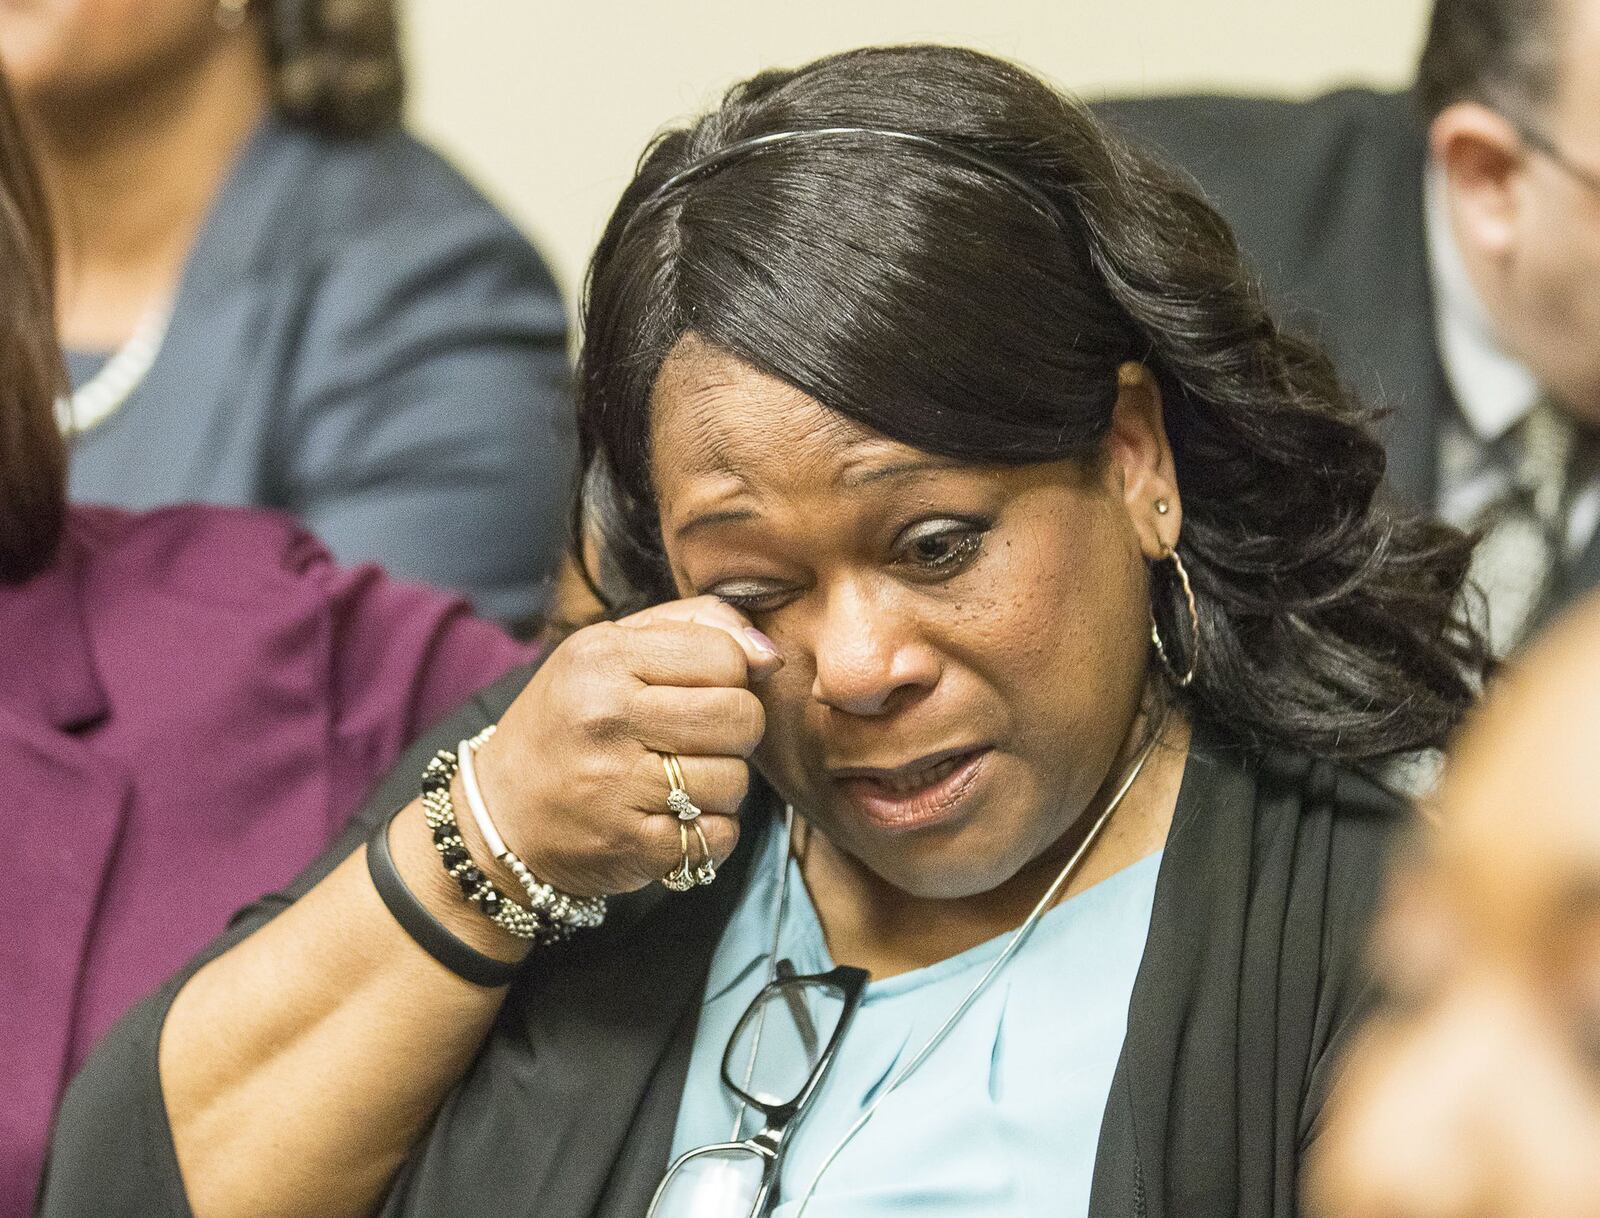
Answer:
(1519, 561)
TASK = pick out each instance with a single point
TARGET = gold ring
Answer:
(681, 878)
(707, 871)
(678, 801)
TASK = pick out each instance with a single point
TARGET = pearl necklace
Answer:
(100, 397)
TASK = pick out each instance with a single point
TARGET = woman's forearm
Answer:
(299, 1067)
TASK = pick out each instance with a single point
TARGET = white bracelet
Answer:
(469, 784)
(559, 907)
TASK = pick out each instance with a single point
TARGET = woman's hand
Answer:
(573, 777)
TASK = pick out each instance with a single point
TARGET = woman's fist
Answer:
(574, 776)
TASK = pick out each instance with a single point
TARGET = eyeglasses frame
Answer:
(769, 1141)
(1535, 138)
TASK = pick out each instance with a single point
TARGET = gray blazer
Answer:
(360, 339)
(1325, 197)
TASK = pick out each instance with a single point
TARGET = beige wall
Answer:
(547, 105)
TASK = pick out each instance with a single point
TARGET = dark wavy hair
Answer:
(981, 314)
(33, 457)
(336, 64)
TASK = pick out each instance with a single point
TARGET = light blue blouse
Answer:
(1004, 1117)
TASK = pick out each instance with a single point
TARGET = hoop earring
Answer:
(1181, 680)
(230, 14)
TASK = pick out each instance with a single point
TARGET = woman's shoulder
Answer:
(1348, 789)
(385, 186)
(255, 586)
(1344, 788)
(1290, 803)
(237, 561)
(226, 555)
(375, 229)
(1323, 825)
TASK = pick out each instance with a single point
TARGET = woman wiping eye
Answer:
(964, 811)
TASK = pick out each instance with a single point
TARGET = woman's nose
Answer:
(869, 660)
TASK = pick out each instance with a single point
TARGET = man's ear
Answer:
(1142, 457)
(1482, 156)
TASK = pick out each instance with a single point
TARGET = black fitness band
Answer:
(430, 934)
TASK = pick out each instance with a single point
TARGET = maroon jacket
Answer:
(193, 702)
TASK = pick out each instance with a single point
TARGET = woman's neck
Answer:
(131, 183)
(872, 924)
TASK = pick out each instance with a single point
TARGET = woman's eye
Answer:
(941, 547)
(750, 598)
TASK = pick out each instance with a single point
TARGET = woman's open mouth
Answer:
(913, 796)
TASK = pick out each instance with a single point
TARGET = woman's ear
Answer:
(1142, 456)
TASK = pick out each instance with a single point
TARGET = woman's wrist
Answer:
(482, 853)
(559, 913)
(411, 842)
(503, 790)
(425, 930)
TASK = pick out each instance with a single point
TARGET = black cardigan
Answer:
(1248, 982)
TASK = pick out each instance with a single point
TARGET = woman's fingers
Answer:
(715, 785)
(680, 625)
(706, 610)
(683, 653)
(714, 722)
(642, 844)
(576, 772)
(667, 842)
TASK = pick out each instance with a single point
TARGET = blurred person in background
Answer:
(1444, 243)
(270, 294)
(920, 404)
(1475, 1087)
(192, 702)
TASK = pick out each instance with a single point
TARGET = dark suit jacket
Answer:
(362, 339)
(1248, 983)
(1325, 197)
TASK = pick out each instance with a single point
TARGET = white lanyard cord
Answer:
(1017, 938)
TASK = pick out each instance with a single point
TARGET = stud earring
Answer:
(1162, 507)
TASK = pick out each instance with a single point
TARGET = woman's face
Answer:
(1475, 1089)
(66, 51)
(965, 647)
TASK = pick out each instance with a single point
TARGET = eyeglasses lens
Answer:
(777, 1045)
(722, 1182)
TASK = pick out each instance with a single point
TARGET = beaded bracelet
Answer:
(558, 907)
(439, 812)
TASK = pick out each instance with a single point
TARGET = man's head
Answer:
(1511, 92)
